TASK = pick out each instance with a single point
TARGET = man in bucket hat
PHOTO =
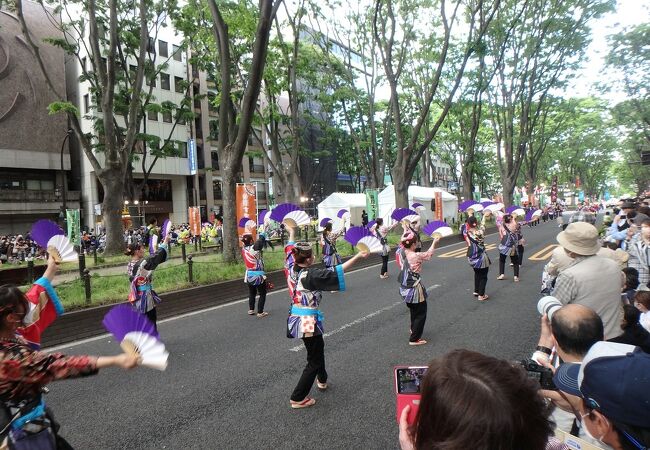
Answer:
(590, 280)
(610, 392)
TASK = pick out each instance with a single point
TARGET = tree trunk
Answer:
(401, 188)
(112, 182)
(466, 174)
(230, 236)
(508, 188)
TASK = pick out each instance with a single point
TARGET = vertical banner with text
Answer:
(194, 215)
(554, 190)
(74, 230)
(372, 203)
(246, 205)
(437, 213)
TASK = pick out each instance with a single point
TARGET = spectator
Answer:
(633, 331)
(638, 248)
(583, 215)
(615, 413)
(473, 401)
(590, 280)
(642, 303)
(630, 283)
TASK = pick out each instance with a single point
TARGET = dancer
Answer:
(255, 276)
(24, 371)
(381, 232)
(140, 271)
(152, 235)
(520, 243)
(509, 246)
(411, 288)
(305, 319)
(477, 257)
(328, 243)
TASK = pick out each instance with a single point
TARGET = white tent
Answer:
(355, 203)
(422, 195)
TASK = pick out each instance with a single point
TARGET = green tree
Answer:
(115, 36)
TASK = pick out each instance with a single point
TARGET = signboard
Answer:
(194, 215)
(554, 190)
(437, 213)
(581, 196)
(452, 186)
(372, 203)
(191, 156)
(246, 204)
(74, 229)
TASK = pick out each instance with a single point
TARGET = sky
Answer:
(628, 13)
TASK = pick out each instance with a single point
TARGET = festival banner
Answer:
(74, 228)
(554, 190)
(194, 215)
(437, 213)
(246, 205)
(372, 203)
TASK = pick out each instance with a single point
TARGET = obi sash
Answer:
(298, 311)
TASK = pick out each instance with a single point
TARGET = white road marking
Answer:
(297, 348)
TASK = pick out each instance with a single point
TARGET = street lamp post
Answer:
(64, 191)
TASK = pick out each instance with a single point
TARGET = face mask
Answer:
(587, 432)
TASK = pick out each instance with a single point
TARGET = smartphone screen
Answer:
(409, 379)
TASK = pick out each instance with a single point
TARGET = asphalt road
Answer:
(230, 375)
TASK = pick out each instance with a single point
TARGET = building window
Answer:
(152, 115)
(133, 70)
(215, 160)
(86, 103)
(182, 149)
(151, 45)
(178, 85)
(164, 80)
(178, 55)
(167, 116)
(162, 49)
(151, 81)
(216, 190)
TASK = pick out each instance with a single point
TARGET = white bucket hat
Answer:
(580, 238)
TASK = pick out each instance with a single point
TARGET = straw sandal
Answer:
(306, 403)
(321, 386)
(251, 312)
(418, 342)
(262, 314)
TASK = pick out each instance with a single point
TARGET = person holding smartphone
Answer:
(305, 319)
(411, 289)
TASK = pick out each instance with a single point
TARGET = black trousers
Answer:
(520, 249)
(252, 292)
(502, 264)
(153, 316)
(315, 367)
(384, 264)
(418, 318)
(480, 280)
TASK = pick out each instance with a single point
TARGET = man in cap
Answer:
(610, 392)
(590, 280)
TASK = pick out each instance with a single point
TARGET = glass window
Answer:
(164, 80)
(152, 115)
(167, 116)
(162, 49)
(33, 185)
(178, 54)
(178, 85)
(182, 149)
(47, 185)
(151, 45)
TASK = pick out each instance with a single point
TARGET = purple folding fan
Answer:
(43, 230)
(342, 213)
(371, 224)
(290, 215)
(166, 229)
(246, 222)
(136, 335)
(405, 214)
(363, 239)
(438, 228)
(50, 236)
(325, 221)
(466, 204)
(418, 206)
(263, 216)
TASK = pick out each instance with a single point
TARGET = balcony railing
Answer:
(257, 168)
(28, 196)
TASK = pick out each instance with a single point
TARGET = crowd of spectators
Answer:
(594, 345)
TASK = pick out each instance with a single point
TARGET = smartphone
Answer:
(408, 380)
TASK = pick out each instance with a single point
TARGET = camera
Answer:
(548, 305)
(541, 374)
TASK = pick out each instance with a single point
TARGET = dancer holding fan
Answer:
(255, 276)
(477, 257)
(381, 232)
(24, 371)
(305, 318)
(140, 271)
(509, 246)
(411, 288)
(328, 243)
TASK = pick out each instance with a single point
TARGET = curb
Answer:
(86, 323)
